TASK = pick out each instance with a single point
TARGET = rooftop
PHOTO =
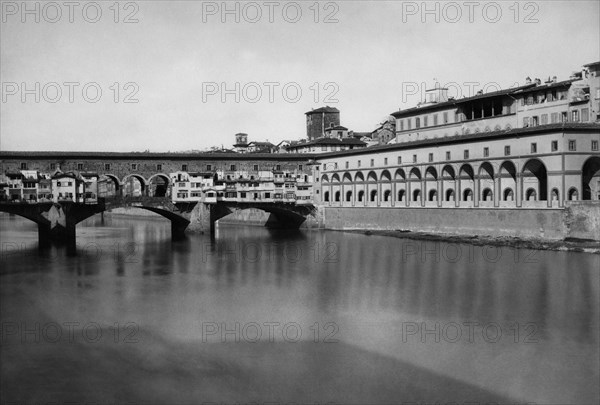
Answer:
(329, 141)
(323, 109)
(203, 156)
(336, 128)
(529, 87)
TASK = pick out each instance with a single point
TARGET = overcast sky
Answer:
(179, 56)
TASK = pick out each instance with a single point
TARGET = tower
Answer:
(320, 119)
(241, 139)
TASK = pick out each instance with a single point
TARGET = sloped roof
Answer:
(336, 128)
(329, 141)
(325, 109)
(481, 136)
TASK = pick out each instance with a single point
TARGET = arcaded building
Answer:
(534, 146)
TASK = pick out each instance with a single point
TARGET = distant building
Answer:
(281, 146)
(337, 132)
(530, 105)
(317, 121)
(261, 147)
(241, 143)
(326, 145)
(385, 133)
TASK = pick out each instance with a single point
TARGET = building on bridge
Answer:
(180, 177)
(188, 186)
(21, 185)
(68, 186)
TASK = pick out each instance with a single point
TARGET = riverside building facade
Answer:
(532, 146)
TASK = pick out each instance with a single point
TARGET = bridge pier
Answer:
(61, 224)
(178, 230)
(44, 235)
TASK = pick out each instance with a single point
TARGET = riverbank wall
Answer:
(579, 220)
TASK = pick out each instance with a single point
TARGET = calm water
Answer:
(257, 315)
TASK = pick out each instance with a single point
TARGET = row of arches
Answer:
(486, 185)
(533, 167)
(134, 185)
(450, 195)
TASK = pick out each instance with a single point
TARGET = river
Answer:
(271, 316)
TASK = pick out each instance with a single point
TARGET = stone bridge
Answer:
(58, 221)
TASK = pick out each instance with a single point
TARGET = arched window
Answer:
(416, 195)
(530, 195)
(373, 195)
(386, 195)
(401, 195)
(432, 195)
(487, 195)
(573, 194)
(509, 195)
(450, 195)
(468, 195)
(337, 196)
(326, 196)
(349, 196)
(361, 195)
(555, 195)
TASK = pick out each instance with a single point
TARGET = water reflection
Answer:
(371, 287)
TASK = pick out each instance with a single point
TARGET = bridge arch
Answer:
(158, 185)
(111, 185)
(281, 215)
(130, 188)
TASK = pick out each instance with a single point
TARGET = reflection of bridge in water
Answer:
(58, 221)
